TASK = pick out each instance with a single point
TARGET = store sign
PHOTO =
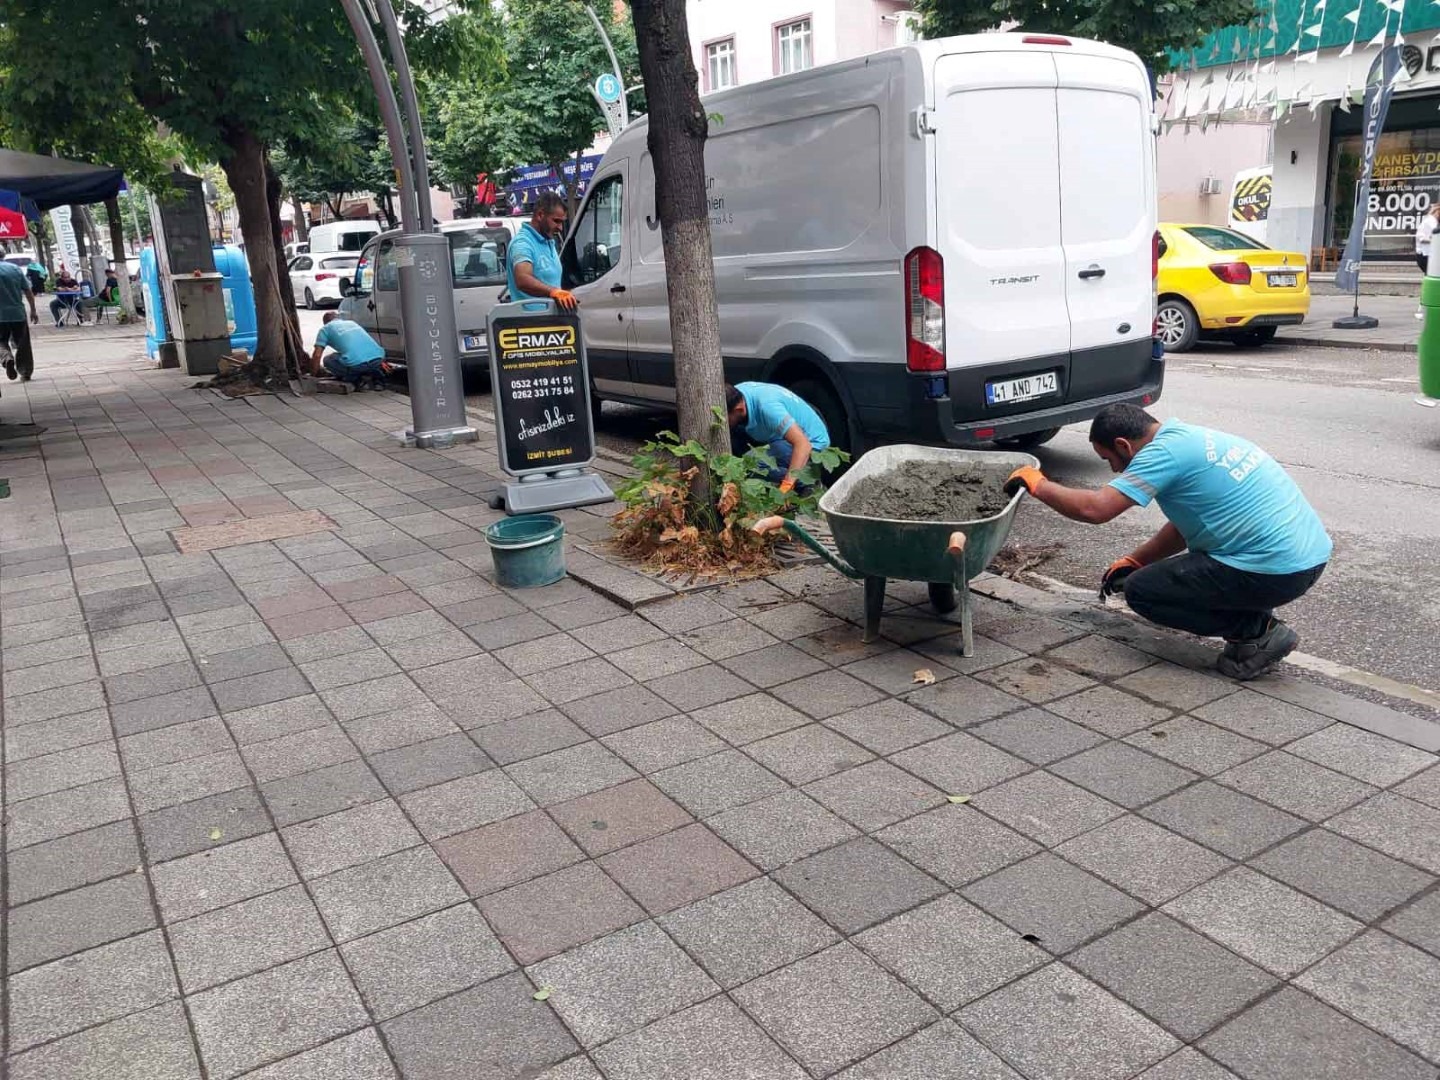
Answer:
(541, 390)
(1379, 87)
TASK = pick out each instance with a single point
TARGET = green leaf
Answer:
(215, 833)
(543, 994)
(958, 799)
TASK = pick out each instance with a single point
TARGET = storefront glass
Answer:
(1406, 179)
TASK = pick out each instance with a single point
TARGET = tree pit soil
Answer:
(929, 491)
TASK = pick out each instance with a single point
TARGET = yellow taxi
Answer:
(1217, 283)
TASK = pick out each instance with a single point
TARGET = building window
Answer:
(720, 64)
(792, 44)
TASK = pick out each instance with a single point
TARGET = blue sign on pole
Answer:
(608, 88)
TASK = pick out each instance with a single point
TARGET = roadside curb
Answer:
(1331, 343)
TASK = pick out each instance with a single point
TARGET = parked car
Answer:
(477, 252)
(947, 242)
(1219, 284)
(316, 279)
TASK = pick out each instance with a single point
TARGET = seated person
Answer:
(356, 353)
(65, 282)
(109, 293)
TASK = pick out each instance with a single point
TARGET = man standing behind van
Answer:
(781, 420)
(533, 261)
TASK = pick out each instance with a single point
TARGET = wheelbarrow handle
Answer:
(956, 546)
(770, 524)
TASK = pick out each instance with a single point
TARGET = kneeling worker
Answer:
(779, 419)
(1241, 539)
(356, 353)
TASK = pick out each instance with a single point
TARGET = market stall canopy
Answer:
(12, 225)
(52, 182)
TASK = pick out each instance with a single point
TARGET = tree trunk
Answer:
(77, 223)
(334, 205)
(678, 127)
(273, 195)
(302, 231)
(122, 267)
(278, 346)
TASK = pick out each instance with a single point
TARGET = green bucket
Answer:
(528, 551)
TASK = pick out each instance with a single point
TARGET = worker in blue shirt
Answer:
(533, 259)
(779, 419)
(356, 352)
(1241, 539)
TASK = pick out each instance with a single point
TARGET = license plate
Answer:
(1008, 391)
(1282, 281)
(471, 342)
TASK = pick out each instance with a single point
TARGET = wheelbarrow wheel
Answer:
(942, 597)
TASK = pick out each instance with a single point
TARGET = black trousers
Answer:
(1196, 593)
(17, 336)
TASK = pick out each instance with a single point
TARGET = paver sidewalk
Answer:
(332, 806)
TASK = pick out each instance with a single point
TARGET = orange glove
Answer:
(787, 485)
(1113, 580)
(1027, 476)
(565, 299)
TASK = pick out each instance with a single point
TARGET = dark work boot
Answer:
(1244, 660)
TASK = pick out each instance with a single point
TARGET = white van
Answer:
(949, 242)
(336, 236)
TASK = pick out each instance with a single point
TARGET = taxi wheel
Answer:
(1176, 325)
(1261, 335)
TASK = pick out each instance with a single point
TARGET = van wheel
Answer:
(825, 402)
(1029, 440)
(1253, 339)
(309, 300)
(1176, 324)
(597, 406)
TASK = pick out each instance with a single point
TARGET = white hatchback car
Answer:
(315, 279)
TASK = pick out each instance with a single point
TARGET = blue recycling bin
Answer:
(239, 299)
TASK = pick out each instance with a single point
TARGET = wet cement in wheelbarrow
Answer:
(929, 491)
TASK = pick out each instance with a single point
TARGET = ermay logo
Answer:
(537, 337)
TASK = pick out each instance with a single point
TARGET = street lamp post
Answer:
(422, 256)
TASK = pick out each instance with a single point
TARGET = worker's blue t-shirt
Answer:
(542, 255)
(349, 339)
(771, 409)
(1228, 498)
(13, 287)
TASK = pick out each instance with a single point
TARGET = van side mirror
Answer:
(347, 287)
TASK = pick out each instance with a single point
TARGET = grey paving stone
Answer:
(965, 701)
(151, 1045)
(425, 764)
(349, 838)
(723, 640)
(1179, 688)
(62, 733)
(1185, 982)
(1195, 745)
(677, 868)
(1228, 821)
(507, 852)
(615, 817)
(419, 961)
(1188, 1064)
(612, 635)
(151, 713)
(152, 683)
(442, 649)
(615, 710)
(264, 1017)
(826, 694)
(548, 915)
(491, 1032)
(1423, 787)
(1059, 904)
(942, 1049)
(1143, 859)
(212, 879)
(833, 1008)
(1385, 984)
(71, 922)
(168, 785)
(887, 727)
(713, 784)
(663, 743)
(858, 884)
(73, 860)
(562, 685)
(1035, 680)
(467, 803)
(1259, 716)
(251, 690)
(950, 951)
(328, 644)
(1362, 754)
(552, 651)
(1399, 827)
(90, 988)
(38, 677)
(202, 824)
(63, 812)
(60, 770)
(748, 719)
(1291, 1036)
(358, 1056)
(710, 1041)
(687, 613)
(1296, 785)
(566, 774)
(874, 795)
(1419, 924)
(894, 671)
(245, 938)
(780, 828)
(956, 844)
(771, 665)
(807, 753)
(1346, 875)
(1101, 657)
(1037, 736)
(1058, 1025)
(175, 743)
(620, 983)
(321, 792)
(400, 727)
(1109, 711)
(373, 696)
(464, 674)
(264, 723)
(509, 631)
(1123, 774)
(1264, 921)
(1045, 808)
(701, 687)
(528, 736)
(960, 764)
(389, 890)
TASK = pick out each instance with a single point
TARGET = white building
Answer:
(743, 41)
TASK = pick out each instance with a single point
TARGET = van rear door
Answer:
(1107, 208)
(997, 198)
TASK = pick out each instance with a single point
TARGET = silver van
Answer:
(477, 253)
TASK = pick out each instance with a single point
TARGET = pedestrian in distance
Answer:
(1240, 539)
(356, 354)
(1424, 237)
(64, 280)
(763, 414)
(533, 259)
(15, 294)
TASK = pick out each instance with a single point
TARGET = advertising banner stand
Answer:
(544, 431)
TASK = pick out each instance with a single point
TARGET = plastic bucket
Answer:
(528, 551)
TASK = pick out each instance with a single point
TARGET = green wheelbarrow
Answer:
(946, 554)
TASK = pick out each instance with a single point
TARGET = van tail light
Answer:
(325, 277)
(1044, 39)
(1232, 273)
(924, 310)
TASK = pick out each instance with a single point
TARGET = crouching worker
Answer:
(763, 414)
(357, 355)
(1241, 539)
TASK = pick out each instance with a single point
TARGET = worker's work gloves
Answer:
(564, 298)
(1027, 476)
(1113, 580)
